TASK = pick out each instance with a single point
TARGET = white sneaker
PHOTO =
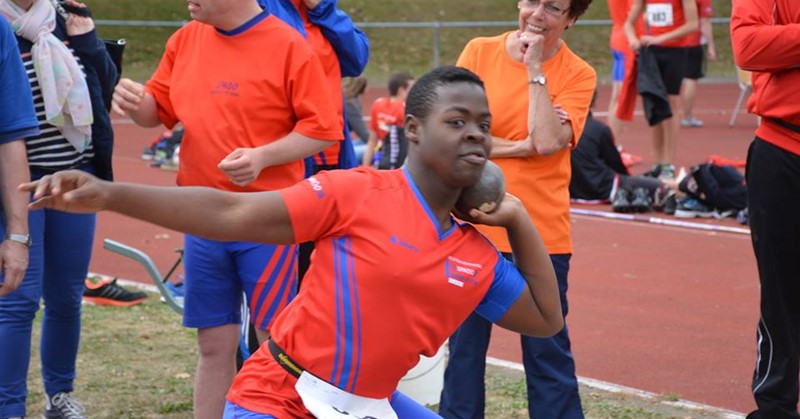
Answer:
(691, 122)
(63, 406)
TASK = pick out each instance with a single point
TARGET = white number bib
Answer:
(326, 401)
(659, 14)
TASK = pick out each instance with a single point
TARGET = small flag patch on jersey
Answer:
(456, 282)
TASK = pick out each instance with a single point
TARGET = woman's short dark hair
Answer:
(423, 94)
(578, 7)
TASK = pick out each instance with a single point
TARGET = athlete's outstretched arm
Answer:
(256, 217)
(538, 311)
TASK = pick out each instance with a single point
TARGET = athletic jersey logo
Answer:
(401, 242)
(461, 273)
(316, 186)
(227, 88)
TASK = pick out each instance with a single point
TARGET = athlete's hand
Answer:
(72, 191)
(635, 45)
(510, 207)
(648, 40)
(711, 54)
(127, 96)
(311, 4)
(242, 166)
(13, 264)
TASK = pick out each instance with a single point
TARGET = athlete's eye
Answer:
(457, 123)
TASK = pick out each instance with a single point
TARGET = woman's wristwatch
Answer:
(19, 238)
(540, 80)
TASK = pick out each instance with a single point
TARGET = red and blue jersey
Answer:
(386, 285)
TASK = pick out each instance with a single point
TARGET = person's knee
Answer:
(219, 342)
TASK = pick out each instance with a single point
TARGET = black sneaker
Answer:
(103, 292)
(660, 197)
(691, 207)
(654, 171)
(670, 205)
(622, 201)
(63, 406)
(148, 153)
(743, 217)
(640, 201)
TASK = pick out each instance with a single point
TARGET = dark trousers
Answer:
(773, 181)
(549, 367)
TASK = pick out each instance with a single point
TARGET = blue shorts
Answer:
(617, 66)
(218, 272)
(404, 406)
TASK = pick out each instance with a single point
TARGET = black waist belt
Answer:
(284, 360)
(785, 124)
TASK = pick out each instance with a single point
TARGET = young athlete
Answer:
(669, 22)
(378, 294)
(385, 112)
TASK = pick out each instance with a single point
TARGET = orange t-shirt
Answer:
(272, 92)
(333, 77)
(384, 113)
(541, 182)
(663, 16)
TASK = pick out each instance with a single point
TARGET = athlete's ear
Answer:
(412, 128)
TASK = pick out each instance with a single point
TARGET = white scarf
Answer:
(67, 103)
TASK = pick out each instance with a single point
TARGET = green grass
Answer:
(138, 362)
(392, 49)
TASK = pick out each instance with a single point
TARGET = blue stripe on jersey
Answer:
(288, 286)
(273, 277)
(348, 333)
(337, 278)
(352, 276)
(425, 206)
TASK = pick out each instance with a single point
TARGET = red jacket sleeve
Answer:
(765, 34)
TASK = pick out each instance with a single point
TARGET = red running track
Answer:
(663, 309)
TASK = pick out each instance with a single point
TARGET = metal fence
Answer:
(436, 26)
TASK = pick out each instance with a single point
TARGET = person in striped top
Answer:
(71, 79)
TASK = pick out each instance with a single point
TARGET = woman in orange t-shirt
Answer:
(539, 93)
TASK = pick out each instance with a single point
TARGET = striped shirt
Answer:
(50, 151)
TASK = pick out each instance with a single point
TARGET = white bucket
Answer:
(424, 382)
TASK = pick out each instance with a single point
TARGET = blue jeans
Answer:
(57, 268)
(549, 367)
